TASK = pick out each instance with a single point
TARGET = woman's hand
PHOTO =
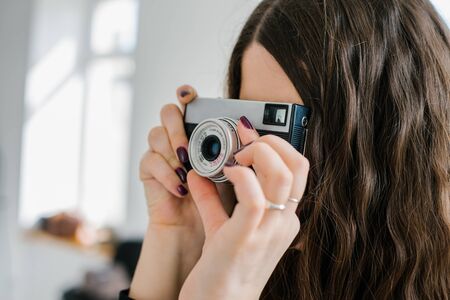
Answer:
(164, 167)
(241, 251)
(175, 234)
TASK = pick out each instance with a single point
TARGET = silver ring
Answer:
(294, 200)
(271, 205)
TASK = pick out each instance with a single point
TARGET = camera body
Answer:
(210, 125)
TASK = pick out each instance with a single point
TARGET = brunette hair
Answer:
(375, 213)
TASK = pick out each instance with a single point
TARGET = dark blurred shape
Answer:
(127, 255)
(106, 283)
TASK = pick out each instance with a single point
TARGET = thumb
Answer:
(206, 198)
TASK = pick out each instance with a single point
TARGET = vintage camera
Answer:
(210, 125)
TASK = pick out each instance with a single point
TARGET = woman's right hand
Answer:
(175, 235)
(164, 166)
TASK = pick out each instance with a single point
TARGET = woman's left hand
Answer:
(241, 251)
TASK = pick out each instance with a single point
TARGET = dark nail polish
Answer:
(230, 164)
(242, 148)
(184, 93)
(246, 122)
(182, 190)
(238, 150)
(181, 174)
(182, 155)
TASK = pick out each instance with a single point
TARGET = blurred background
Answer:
(81, 84)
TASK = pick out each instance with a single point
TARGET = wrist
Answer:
(155, 276)
(187, 240)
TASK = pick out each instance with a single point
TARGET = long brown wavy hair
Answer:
(375, 214)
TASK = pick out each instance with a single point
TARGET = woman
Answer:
(374, 186)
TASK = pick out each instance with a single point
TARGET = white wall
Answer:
(179, 42)
(29, 268)
(14, 23)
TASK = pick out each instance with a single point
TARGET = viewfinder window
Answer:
(275, 114)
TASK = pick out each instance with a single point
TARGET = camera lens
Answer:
(211, 148)
(211, 145)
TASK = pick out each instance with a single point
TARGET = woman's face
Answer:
(263, 78)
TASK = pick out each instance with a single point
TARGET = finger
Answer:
(273, 174)
(156, 190)
(250, 208)
(206, 198)
(172, 120)
(154, 166)
(159, 142)
(186, 94)
(297, 164)
(247, 133)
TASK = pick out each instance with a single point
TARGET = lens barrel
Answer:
(212, 145)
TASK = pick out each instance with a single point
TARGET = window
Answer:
(78, 105)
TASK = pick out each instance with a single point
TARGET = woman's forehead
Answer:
(264, 79)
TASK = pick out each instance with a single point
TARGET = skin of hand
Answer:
(241, 251)
(175, 234)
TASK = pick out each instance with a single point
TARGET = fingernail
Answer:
(246, 122)
(182, 190)
(181, 174)
(238, 150)
(242, 148)
(184, 93)
(182, 155)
